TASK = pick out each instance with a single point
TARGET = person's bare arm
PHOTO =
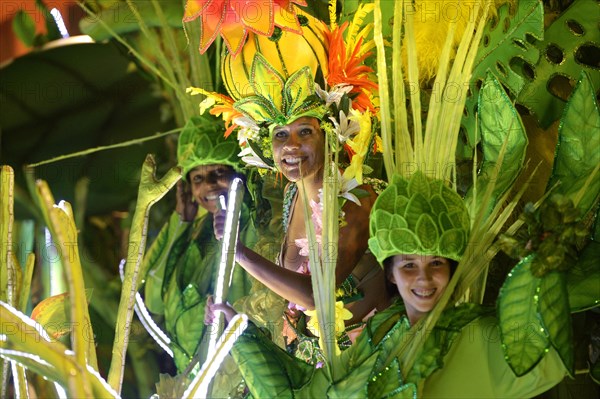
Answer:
(297, 287)
(293, 286)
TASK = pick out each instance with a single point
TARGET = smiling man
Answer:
(183, 260)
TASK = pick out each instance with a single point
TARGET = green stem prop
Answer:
(149, 192)
(9, 268)
(64, 232)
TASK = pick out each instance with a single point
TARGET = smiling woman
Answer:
(293, 133)
(420, 279)
(298, 149)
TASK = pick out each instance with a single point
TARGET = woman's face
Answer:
(208, 182)
(421, 281)
(298, 148)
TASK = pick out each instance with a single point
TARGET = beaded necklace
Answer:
(287, 205)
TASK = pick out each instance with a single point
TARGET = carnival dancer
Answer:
(462, 356)
(286, 120)
(183, 260)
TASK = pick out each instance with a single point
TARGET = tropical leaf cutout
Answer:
(583, 280)
(522, 333)
(500, 123)
(554, 310)
(578, 148)
(505, 40)
(562, 42)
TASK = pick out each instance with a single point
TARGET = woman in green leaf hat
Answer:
(183, 261)
(419, 233)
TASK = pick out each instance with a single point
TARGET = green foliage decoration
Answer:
(577, 157)
(583, 280)
(20, 337)
(150, 191)
(563, 41)
(121, 18)
(502, 132)
(552, 232)
(523, 337)
(418, 216)
(24, 28)
(53, 314)
(554, 310)
(505, 38)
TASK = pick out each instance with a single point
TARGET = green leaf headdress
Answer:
(339, 90)
(419, 216)
(202, 143)
(277, 101)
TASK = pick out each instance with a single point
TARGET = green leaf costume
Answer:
(464, 346)
(183, 261)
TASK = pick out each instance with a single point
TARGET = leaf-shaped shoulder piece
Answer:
(523, 337)
(269, 371)
(504, 142)
(577, 152)
(583, 279)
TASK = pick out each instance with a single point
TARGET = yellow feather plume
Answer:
(432, 20)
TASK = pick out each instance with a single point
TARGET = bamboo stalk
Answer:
(404, 153)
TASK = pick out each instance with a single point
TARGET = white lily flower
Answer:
(346, 187)
(333, 96)
(249, 130)
(249, 157)
(346, 127)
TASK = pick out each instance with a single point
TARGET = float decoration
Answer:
(233, 20)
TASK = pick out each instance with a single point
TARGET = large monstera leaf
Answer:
(578, 150)
(504, 142)
(566, 42)
(505, 44)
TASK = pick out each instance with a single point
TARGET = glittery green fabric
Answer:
(277, 101)
(202, 143)
(418, 216)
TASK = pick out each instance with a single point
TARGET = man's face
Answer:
(208, 182)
